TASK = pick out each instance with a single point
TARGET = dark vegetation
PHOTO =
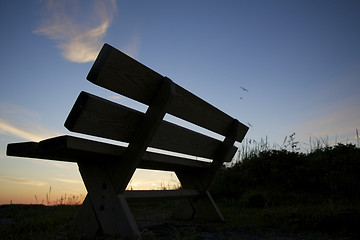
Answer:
(273, 190)
(35, 221)
(331, 173)
(289, 190)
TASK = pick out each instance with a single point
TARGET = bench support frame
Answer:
(107, 183)
(107, 169)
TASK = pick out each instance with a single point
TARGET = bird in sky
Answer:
(244, 89)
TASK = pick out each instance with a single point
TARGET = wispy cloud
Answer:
(63, 165)
(79, 41)
(18, 122)
(66, 180)
(132, 48)
(22, 181)
(34, 133)
(115, 97)
(8, 129)
(339, 124)
(337, 113)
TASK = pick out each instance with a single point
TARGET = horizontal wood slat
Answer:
(120, 73)
(23, 149)
(99, 117)
(74, 149)
(154, 194)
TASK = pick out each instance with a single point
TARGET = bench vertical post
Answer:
(204, 206)
(85, 221)
(222, 153)
(111, 210)
(143, 135)
(106, 183)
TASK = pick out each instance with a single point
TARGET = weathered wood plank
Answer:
(184, 210)
(203, 206)
(154, 194)
(120, 73)
(100, 117)
(142, 136)
(85, 222)
(223, 154)
(112, 210)
(85, 149)
(74, 149)
(23, 149)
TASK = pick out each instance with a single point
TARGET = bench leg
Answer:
(85, 223)
(184, 210)
(206, 208)
(203, 206)
(111, 210)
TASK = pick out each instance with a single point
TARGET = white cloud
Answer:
(78, 41)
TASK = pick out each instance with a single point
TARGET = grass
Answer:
(333, 218)
(35, 221)
(288, 190)
(67, 199)
(335, 221)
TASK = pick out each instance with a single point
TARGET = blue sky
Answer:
(299, 61)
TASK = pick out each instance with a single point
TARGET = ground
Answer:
(42, 222)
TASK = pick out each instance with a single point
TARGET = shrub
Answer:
(326, 173)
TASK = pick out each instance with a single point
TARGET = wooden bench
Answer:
(106, 169)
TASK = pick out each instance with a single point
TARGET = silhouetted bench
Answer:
(106, 169)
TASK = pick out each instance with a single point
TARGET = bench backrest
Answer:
(120, 73)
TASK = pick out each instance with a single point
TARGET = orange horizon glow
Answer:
(70, 192)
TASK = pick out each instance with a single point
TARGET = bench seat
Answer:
(74, 149)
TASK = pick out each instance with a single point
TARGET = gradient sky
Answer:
(298, 60)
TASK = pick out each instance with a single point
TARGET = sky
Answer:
(280, 67)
